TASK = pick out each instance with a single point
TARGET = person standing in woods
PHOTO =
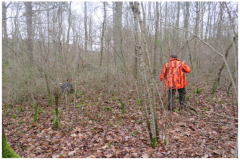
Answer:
(176, 80)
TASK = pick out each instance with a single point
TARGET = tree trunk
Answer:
(103, 28)
(165, 22)
(85, 26)
(144, 15)
(177, 24)
(7, 151)
(156, 40)
(155, 126)
(202, 7)
(207, 27)
(186, 19)
(217, 80)
(35, 117)
(135, 10)
(28, 8)
(219, 29)
(4, 23)
(117, 31)
(69, 23)
(56, 120)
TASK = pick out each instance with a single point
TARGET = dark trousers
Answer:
(171, 95)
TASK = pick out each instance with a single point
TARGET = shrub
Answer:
(198, 91)
(107, 109)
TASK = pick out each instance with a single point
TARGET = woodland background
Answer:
(114, 52)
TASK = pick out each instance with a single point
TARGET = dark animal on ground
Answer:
(67, 87)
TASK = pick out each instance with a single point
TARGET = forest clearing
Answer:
(82, 79)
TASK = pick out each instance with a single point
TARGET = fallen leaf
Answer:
(205, 156)
(191, 127)
(181, 124)
(145, 155)
(99, 155)
(216, 152)
(187, 134)
(175, 113)
(232, 151)
(104, 147)
(109, 155)
(134, 155)
(34, 124)
(73, 135)
(55, 156)
(92, 156)
(71, 153)
(32, 155)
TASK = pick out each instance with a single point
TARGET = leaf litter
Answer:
(98, 133)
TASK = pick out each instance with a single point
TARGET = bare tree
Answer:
(69, 22)
(186, 19)
(152, 93)
(28, 8)
(156, 40)
(103, 29)
(117, 31)
(85, 26)
(219, 28)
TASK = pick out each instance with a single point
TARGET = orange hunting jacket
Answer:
(176, 76)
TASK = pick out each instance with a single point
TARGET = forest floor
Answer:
(97, 128)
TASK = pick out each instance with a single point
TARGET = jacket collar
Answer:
(174, 59)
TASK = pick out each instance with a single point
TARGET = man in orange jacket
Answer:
(176, 80)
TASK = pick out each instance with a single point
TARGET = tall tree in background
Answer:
(28, 8)
(186, 19)
(117, 31)
(85, 26)
(177, 24)
(69, 22)
(4, 26)
(103, 29)
(4, 22)
(219, 29)
(156, 40)
(165, 21)
(208, 20)
(135, 10)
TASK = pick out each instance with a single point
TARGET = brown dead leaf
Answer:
(92, 156)
(73, 135)
(145, 155)
(71, 153)
(34, 124)
(109, 155)
(191, 127)
(232, 151)
(187, 134)
(150, 149)
(134, 155)
(175, 113)
(32, 155)
(215, 152)
(205, 156)
(181, 124)
(99, 155)
(55, 156)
